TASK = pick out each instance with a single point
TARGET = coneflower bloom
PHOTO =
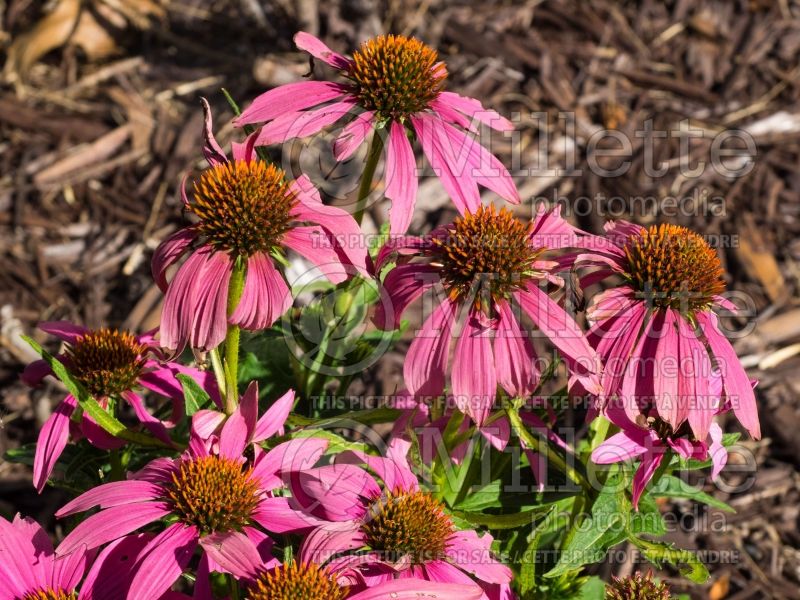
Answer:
(394, 84)
(650, 438)
(31, 570)
(111, 365)
(262, 577)
(210, 497)
(490, 265)
(247, 212)
(309, 581)
(657, 332)
(399, 529)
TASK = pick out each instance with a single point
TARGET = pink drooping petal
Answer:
(717, 452)
(426, 359)
(115, 493)
(153, 425)
(162, 379)
(331, 539)
(63, 330)
(475, 110)
(19, 571)
(473, 554)
(353, 135)
(112, 571)
(551, 231)
(196, 302)
(401, 179)
(444, 572)
(159, 470)
(289, 98)
(168, 253)
(334, 492)
(162, 561)
(35, 372)
(278, 516)
(694, 384)
(650, 463)
(265, 296)
(403, 247)
(315, 244)
(273, 420)
(471, 159)
(738, 389)
(206, 422)
(394, 474)
(402, 285)
(461, 188)
(317, 48)
(564, 334)
(212, 151)
(233, 438)
(474, 379)
(295, 455)
(339, 224)
(97, 436)
(414, 589)
(621, 446)
(615, 340)
(665, 378)
(111, 524)
(233, 552)
(68, 571)
(52, 440)
(303, 123)
(514, 355)
(245, 151)
(620, 231)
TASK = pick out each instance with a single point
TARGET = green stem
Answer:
(543, 447)
(219, 370)
(117, 469)
(373, 156)
(235, 289)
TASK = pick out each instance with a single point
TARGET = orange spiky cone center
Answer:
(673, 267)
(411, 525)
(213, 493)
(106, 361)
(243, 207)
(396, 76)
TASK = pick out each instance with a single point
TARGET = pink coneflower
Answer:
(394, 84)
(403, 530)
(247, 211)
(211, 496)
(657, 333)
(111, 365)
(262, 577)
(31, 570)
(490, 265)
(649, 441)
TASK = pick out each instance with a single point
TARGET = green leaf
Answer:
(604, 528)
(687, 561)
(364, 417)
(509, 521)
(593, 589)
(108, 422)
(195, 397)
(670, 486)
(647, 519)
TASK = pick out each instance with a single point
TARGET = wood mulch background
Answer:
(100, 120)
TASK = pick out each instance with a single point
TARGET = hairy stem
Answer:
(373, 156)
(235, 289)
